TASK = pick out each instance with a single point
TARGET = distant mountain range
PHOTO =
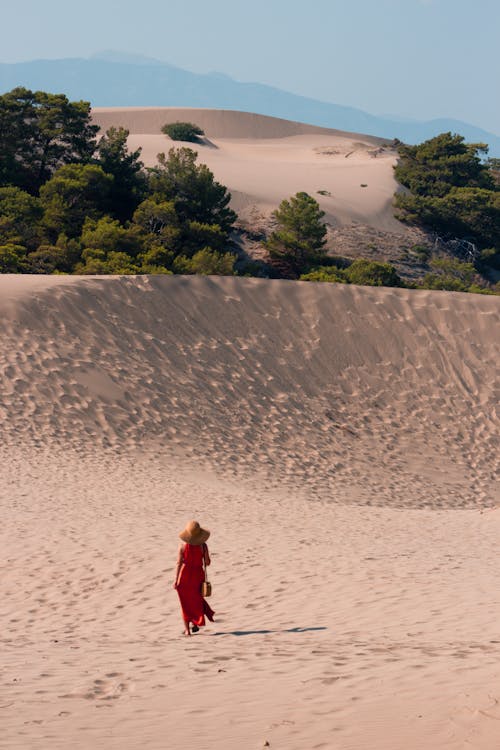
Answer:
(113, 79)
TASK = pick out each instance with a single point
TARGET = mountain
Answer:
(117, 79)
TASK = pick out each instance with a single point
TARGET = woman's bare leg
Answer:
(187, 629)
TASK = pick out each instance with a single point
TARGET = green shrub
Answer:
(73, 194)
(47, 259)
(206, 262)
(476, 289)
(109, 235)
(196, 235)
(454, 275)
(97, 261)
(443, 281)
(157, 255)
(423, 252)
(325, 273)
(155, 270)
(12, 258)
(20, 215)
(465, 272)
(183, 131)
(372, 273)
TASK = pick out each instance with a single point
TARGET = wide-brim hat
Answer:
(194, 534)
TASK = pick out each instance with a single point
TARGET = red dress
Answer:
(194, 606)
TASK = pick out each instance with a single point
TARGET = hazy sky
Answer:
(413, 58)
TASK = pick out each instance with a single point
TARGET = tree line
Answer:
(71, 202)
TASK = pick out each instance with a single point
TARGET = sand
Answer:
(341, 443)
(263, 160)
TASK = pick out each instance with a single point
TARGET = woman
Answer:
(190, 574)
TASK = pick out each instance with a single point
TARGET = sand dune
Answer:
(264, 159)
(355, 382)
(342, 445)
(216, 123)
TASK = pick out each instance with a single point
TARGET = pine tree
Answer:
(300, 237)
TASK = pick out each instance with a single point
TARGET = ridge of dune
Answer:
(216, 123)
(341, 444)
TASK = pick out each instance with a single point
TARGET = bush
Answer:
(47, 259)
(109, 235)
(97, 261)
(423, 252)
(476, 289)
(20, 215)
(155, 270)
(454, 275)
(325, 273)
(183, 131)
(372, 273)
(206, 262)
(156, 256)
(361, 271)
(443, 281)
(197, 235)
(12, 258)
(465, 272)
(73, 194)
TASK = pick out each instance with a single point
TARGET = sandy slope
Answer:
(342, 445)
(264, 159)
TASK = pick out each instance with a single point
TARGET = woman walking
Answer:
(192, 559)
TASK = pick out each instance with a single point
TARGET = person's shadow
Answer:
(265, 632)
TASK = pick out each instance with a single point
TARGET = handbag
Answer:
(206, 586)
(206, 589)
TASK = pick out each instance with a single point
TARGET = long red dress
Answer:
(194, 606)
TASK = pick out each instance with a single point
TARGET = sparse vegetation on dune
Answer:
(183, 131)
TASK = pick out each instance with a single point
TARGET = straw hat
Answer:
(194, 534)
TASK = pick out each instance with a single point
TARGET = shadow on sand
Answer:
(204, 141)
(264, 632)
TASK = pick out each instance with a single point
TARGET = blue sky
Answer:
(412, 58)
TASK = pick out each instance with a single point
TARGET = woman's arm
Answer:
(180, 562)
(206, 554)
